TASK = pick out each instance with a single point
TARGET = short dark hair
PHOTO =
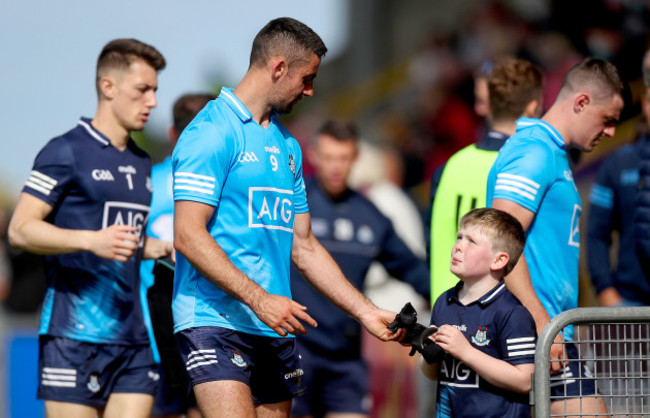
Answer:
(502, 229)
(120, 53)
(187, 106)
(599, 75)
(339, 129)
(512, 84)
(287, 37)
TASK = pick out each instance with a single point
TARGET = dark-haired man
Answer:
(240, 217)
(356, 233)
(532, 180)
(85, 206)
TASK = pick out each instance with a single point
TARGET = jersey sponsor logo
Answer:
(462, 328)
(40, 182)
(93, 383)
(126, 169)
(126, 213)
(55, 376)
(574, 234)
(319, 227)
(455, 373)
(237, 359)
(247, 157)
(365, 234)
(102, 175)
(270, 208)
(199, 358)
(273, 149)
(480, 339)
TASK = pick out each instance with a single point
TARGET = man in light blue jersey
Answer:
(240, 217)
(171, 399)
(85, 207)
(531, 179)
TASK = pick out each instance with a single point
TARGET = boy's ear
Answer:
(500, 261)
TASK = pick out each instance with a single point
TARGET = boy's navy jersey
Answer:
(355, 233)
(501, 327)
(612, 203)
(92, 185)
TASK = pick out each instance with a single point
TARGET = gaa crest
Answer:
(292, 164)
(480, 339)
(237, 359)
(93, 383)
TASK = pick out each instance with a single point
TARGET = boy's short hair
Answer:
(502, 229)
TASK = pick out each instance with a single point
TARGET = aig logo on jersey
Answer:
(124, 213)
(270, 208)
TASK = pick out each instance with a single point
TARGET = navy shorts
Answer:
(574, 380)
(271, 367)
(339, 386)
(87, 373)
(170, 401)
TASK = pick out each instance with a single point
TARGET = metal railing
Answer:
(614, 346)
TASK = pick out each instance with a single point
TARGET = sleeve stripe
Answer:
(38, 188)
(518, 184)
(519, 340)
(43, 177)
(196, 176)
(518, 178)
(517, 191)
(521, 353)
(195, 183)
(194, 189)
(602, 196)
(520, 346)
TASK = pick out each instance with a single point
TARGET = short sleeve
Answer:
(299, 189)
(524, 173)
(52, 173)
(518, 336)
(200, 164)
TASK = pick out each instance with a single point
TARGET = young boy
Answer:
(489, 335)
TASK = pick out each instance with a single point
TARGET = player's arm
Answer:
(29, 231)
(194, 242)
(155, 248)
(320, 269)
(518, 281)
(515, 378)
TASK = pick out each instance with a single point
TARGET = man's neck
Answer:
(111, 129)
(251, 93)
(473, 290)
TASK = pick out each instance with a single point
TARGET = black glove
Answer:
(417, 335)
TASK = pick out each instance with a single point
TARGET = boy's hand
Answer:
(452, 341)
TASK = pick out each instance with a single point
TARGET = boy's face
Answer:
(472, 256)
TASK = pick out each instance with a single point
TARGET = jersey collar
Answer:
(94, 133)
(484, 300)
(235, 104)
(525, 123)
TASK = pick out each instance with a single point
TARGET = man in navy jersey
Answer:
(488, 334)
(240, 217)
(85, 207)
(356, 233)
(532, 180)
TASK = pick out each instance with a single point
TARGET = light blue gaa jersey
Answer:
(92, 185)
(160, 226)
(253, 178)
(532, 170)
